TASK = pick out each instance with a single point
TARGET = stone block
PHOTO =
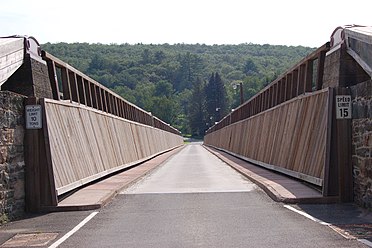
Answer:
(19, 134)
(3, 154)
(19, 190)
(6, 136)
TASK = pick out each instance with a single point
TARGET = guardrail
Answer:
(70, 84)
(290, 138)
(300, 79)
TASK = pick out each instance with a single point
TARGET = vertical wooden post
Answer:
(309, 76)
(301, 80)
(32, 160)
(88, 93)
(66, 84)
(295, 82)
(338, 176)
(286, 88)
(289, 86)
(330, 182)
(74, 87)
(275, 95)
(320, 71)
(53, 79)
(343, 136)
(48, 194)
(39, 181)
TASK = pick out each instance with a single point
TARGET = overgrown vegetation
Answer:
(188, 86)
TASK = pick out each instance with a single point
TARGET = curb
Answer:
(268, 189)
(113, 192)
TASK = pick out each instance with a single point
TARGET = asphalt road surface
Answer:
(195, 200)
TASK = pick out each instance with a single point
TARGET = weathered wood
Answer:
(309, 76)
(53, 79)
(290, 136)
(32, 175)
(48, 192)
(320, 70)
(343, 137)
(81, 90)
(11, 56)
(66, 84)
(301, 80)
(88, 144)
(295, 77)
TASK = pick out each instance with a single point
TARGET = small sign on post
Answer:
(343, 107)
(33, 117)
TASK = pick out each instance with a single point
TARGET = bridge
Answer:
(76, 130)
(301, 123)
(62, 131)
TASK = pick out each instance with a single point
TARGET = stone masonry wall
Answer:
(12, 164)
(362, 143)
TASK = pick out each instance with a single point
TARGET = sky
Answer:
(275, 22)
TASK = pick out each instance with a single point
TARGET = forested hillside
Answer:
(189, 86)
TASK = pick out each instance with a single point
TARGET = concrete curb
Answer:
(101, 193)
(272, 189)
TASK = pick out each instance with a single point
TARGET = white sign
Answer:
(33, 117)
(343, 107)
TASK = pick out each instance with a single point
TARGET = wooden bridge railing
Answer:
(79, 144)
(304, 77)
(70, 84)
(290, 138)
(87, 133)
(290, 126)
(294, 125)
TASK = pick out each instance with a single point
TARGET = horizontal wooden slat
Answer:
(11, 56)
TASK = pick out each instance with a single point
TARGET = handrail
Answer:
(70, 84)
(296, 81)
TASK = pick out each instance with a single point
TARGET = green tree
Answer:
(249, 67)
(197, 110)
(216, 98)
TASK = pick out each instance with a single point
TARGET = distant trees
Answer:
(208, 104)
(188, 86)
(197, 109)
(216, 98)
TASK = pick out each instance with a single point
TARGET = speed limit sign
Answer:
(343, 107)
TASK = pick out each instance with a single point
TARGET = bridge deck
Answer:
(279, 187)
(98, 194)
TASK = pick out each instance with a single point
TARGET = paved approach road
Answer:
(195, 200)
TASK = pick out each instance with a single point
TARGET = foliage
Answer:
(216, 99)
(197, 109)
(168, 80)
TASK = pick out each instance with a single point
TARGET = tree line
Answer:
(188, 86)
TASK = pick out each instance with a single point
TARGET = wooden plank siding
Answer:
(296, 81)
(81, 89)
(86, 144)
(290, 138)
(11, 56)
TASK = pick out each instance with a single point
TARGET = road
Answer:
(193, 200)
